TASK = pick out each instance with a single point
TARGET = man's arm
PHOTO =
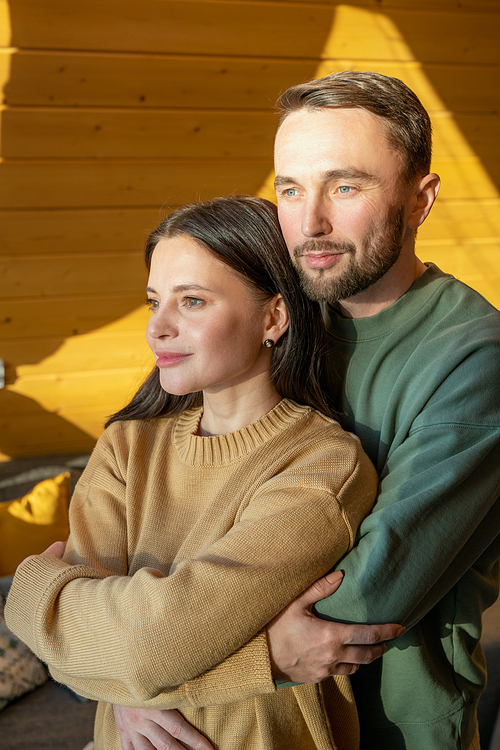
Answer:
(329, 656)
(436, 514)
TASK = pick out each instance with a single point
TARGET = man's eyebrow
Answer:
(332, 174)
(348, 174)
(283, 181)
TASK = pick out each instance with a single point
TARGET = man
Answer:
(414, 357)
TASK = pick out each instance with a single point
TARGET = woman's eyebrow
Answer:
(182, 288)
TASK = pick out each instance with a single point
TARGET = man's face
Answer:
(341, 200)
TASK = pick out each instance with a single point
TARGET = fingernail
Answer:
(334, 576)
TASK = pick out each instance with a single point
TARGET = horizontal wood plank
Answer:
(193, 134)
(249, 28)
(45, 434)
(49, 276)
(46, 232)
(63, 317)
(171, 26)
(91, 352)
(475, 263)
(57, 184)
(76, 133)
(107, 388)
(143, 80)
(462, 177)
(458, 220)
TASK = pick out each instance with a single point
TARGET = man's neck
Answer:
(385, 291)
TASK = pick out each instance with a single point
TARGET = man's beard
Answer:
(380, 252)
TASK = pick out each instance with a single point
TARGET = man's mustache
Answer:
(322, 246)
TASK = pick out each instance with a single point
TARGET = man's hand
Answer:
(304, 648)
(144, 728)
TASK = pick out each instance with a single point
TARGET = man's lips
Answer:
(322, 260)
(165, 359)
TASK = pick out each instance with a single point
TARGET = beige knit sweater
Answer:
(182, 548)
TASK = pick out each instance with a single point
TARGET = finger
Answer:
(56, 549)
(344, 669)
(142, 743)
(371, 634)
(320, 589)
(178, 728)
(362, 654)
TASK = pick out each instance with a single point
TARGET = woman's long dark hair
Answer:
(243, 232)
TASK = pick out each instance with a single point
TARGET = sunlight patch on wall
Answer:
(92, 375)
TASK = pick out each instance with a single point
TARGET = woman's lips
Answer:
(165, 359)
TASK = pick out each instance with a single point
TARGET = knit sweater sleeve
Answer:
(438, 509)
(135, 640)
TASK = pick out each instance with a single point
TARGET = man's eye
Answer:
(344, 189)
(290, 192)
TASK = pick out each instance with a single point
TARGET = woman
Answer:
(214, 498)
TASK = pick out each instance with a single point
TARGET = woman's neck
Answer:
(235, 408)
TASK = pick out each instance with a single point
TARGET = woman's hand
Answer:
(55, 550)
(145, 728)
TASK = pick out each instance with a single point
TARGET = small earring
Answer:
(269, 343)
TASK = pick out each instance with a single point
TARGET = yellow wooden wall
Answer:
(117, 110)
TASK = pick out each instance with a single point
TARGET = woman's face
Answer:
(205, 330)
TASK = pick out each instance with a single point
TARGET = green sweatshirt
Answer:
(419, 384)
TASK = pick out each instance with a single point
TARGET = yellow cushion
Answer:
(29, 525)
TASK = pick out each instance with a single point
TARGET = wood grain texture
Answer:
(257, 29)
(63, 317)
(47, 232)
(156, 184)
(117, 111)
(48, 276)
(124, 134)
(145, 81)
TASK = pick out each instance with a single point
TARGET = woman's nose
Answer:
(162, 324)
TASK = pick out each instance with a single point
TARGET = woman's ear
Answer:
(277, 320)
(423, 199)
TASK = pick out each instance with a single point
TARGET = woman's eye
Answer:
(153, 304)
(193, 302)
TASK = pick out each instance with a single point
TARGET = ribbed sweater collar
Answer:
(411, 303)
(224, 449)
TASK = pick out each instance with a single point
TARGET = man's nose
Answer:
(316, 220)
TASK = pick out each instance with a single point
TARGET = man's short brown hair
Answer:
(408, 124)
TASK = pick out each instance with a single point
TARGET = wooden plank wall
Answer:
(116, 110)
